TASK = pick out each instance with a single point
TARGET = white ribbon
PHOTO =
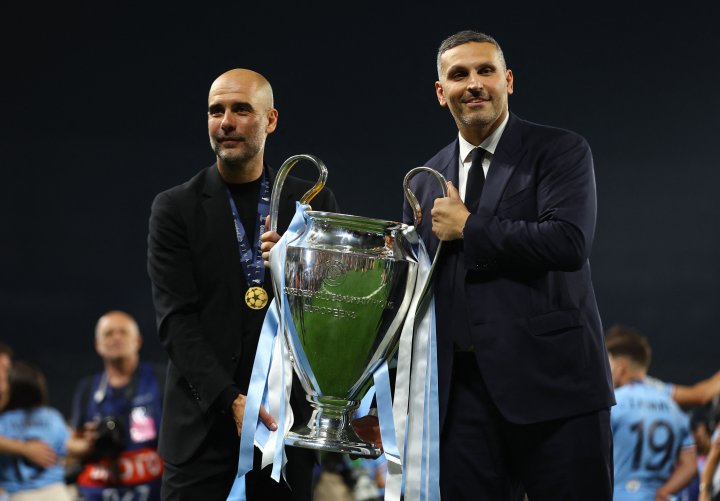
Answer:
(415, 406)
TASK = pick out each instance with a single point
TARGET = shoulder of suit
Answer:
(441, 156)
(193, 185)
(546, 132)
(297, 187)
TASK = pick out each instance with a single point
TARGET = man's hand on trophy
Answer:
(238, 410)
(449, 215)
(268, 241)
(368, 429)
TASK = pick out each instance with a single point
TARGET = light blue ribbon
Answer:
(253, 430)
(415, 409)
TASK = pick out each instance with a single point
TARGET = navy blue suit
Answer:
(531, 313)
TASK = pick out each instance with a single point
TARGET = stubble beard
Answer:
(237, 158)
(477, 119)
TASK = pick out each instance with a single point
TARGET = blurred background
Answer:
(104, 106)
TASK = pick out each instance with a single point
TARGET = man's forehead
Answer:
(230, 94)
(469, 51)
(111, 322)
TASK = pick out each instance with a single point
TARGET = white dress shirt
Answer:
(465, 156)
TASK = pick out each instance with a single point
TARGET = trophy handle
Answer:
(417, 217)
(280, 180)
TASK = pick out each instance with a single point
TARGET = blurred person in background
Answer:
(701, 393)
(653, 448)
(27, 416)
(115, 418)
(35, 451)
(710, 477)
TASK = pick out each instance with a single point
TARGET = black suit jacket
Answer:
(532, 314)
(198, 289)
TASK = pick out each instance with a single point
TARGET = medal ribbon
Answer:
(251, 257)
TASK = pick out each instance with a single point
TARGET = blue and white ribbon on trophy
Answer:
(271, 378)
(415, 409)
(409, 427)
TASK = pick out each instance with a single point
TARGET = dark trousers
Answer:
(483, 456)
(210, 474)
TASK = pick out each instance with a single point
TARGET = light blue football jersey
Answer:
(44, 423)
(649, 430)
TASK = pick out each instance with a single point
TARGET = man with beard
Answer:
(523, 377)
(211, 293)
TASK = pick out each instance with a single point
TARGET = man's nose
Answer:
(475, 82)
(228, 122)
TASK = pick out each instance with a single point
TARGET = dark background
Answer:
(105, 108)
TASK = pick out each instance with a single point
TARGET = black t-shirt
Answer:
(246, 197)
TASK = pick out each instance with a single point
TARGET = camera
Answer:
(111, 439)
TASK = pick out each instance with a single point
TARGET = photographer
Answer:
(115, 418)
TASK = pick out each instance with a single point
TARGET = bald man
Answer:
(211, 292)
(116, 416)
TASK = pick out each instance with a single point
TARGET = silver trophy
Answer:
(349, 282)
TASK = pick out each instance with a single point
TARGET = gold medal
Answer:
(256, 298)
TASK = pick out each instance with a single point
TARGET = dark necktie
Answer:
(475, 180)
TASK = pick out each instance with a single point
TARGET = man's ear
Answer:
(272, 121)
(440, 94)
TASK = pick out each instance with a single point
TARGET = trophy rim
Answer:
(381, 224)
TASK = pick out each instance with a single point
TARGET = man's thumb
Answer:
(453, 191)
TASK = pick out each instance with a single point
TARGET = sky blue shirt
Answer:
(649, 430)
(42, 423)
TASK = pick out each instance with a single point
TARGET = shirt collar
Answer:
(489, 144)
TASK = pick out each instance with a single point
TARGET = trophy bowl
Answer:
(349, 281)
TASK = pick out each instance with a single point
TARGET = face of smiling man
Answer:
(240, 117)
(474, 84)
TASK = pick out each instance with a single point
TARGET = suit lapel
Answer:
(502, 166)
(219, 227)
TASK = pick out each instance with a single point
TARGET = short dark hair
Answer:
(624, 341)
(27, 387)
(463, 37)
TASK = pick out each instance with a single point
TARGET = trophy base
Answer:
(341, 441)
(329, 429)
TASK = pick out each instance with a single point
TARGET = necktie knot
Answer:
(477, 156)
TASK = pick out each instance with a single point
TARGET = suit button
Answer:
(233, 358)
(484, 266)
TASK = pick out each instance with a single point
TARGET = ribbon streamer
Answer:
(409, 427)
